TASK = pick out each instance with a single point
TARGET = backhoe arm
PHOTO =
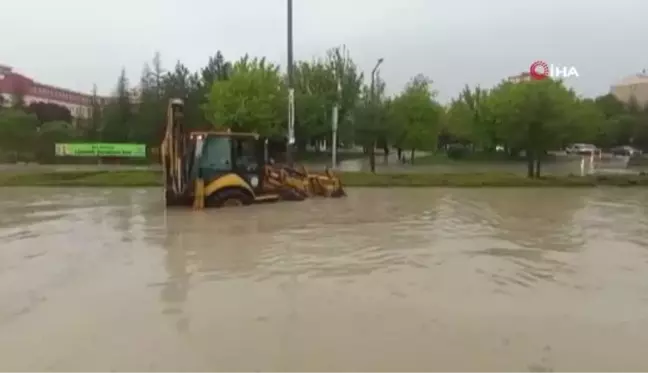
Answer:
(173, 150)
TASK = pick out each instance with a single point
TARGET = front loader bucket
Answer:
(303, 183)
(326, 185)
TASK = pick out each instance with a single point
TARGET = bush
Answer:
(456, 151)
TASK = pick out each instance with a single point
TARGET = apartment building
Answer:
(13, 83)
(634, 86)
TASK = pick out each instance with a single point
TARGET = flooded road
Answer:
(384, 280)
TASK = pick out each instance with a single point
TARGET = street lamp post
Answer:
(372, 146)
(291, 91)
(334, 124)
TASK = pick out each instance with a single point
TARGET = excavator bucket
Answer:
(306, 184)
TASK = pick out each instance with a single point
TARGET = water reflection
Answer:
(308, 238)
(175, 289)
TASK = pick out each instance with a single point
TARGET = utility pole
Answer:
(372, 146)
(336, 109)
(291, 91)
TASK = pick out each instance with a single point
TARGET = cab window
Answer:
(216, 154)
(245, 152)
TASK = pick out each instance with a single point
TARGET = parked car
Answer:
(626, 150)
(582, 149)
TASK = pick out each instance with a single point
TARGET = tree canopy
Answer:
(526, 118)
(416, 116)
(252, 99)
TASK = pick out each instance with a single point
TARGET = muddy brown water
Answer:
(384, 280)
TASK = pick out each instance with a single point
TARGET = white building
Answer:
(634, 86)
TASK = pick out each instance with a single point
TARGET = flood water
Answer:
(384, 280)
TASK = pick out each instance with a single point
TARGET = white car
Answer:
(581, 149)
(627, 151)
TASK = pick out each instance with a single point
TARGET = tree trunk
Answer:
(530, 165)
(399, 153)
(372, 158)
(301, 146)
(412, 156)
(537, 168)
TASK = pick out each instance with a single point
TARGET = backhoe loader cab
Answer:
(230, 169)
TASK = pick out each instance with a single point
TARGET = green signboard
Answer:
(101, 150)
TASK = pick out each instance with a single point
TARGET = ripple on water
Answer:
(415, 279)
(523, 267)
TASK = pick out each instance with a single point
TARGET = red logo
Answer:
(539, 70)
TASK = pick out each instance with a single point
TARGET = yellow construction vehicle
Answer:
(224, 168)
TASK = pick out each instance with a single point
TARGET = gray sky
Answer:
(75, 43)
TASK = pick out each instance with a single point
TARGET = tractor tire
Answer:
(229, 198)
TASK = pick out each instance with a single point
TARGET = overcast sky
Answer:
(76, 43)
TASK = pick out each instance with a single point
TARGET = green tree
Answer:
(47, 112)
(118, 114)
(181, 83)
(217, 69)
(536, 116)
(315, 95)
(469, 119)
(317, 92)
(351, 80)
(150, 109)
(156, 76)
(583, 122)
(640, 133)
(17, 133)
(610, 106)
(418, 114)
(619, 122)
(625, 123)
(178, 82)
(92, 131)
(371, 121)
(253, 99)
(49, 134)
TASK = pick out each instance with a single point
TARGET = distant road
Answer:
(568, 164)
(32, 167)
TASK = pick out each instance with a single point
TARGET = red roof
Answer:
(14, 83)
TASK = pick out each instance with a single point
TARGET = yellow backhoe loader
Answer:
(224, 168)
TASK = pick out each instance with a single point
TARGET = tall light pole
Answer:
(334, 124)
(372, 146)
(373, 78)
(291, 91)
